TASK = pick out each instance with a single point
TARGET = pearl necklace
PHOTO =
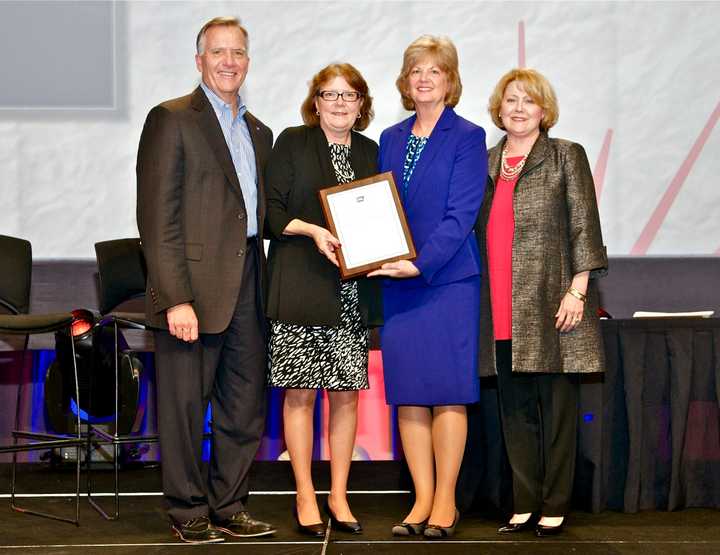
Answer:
(508, 172)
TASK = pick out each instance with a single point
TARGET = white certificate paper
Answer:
(367, 224)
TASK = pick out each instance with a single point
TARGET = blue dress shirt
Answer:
(237, 138)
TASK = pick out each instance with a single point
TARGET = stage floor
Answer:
(142, 527)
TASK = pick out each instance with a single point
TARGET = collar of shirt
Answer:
(219, 105)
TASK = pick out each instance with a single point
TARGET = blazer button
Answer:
(241, 252)
(241, 216)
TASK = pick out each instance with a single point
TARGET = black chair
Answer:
(15, 281)
(122, 275)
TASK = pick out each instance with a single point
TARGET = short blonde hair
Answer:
(354, 79)
(219, 22)
(443, 52)
(536, 86)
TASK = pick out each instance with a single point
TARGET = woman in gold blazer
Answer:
(539, 235)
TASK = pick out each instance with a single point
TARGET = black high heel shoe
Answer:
(316, 530)
(511, 528)
(542, 531)
(350, 526)
(435, 531)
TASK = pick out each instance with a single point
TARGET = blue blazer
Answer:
(443, 197)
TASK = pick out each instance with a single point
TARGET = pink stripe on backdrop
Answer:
(601, 164)
(374, 424)
(521, 44)
(658, 216)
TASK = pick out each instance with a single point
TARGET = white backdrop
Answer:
(642, 78)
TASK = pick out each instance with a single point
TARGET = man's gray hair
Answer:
(220, 22)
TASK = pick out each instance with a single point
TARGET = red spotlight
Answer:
(94, 349)
(602, 313)
(83, 321)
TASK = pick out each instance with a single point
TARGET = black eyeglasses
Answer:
(347, 96)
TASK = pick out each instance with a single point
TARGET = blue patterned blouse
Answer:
(413, 150)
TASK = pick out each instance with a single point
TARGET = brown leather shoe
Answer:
(197, 530)
(242, 525)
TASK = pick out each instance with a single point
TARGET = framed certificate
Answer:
(367, 218)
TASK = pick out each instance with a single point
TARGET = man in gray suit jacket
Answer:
(200, 210)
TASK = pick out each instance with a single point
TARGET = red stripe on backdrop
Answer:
(374, 433)
(601, 164)
(660, 213)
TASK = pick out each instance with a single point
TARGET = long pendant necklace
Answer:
(508, 172)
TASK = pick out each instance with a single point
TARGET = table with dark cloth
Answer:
(649, 428)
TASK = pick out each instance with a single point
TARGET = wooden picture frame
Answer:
(368, 219)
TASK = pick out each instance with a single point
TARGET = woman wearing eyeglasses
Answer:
(319, 324)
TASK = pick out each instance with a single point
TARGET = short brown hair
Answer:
(444, 54)
(220, 22)
(536, 86)
(354, 79)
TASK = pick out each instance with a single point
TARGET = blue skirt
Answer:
(430, 343)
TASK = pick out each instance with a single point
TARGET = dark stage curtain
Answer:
(648, 432)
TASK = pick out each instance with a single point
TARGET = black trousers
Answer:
(227, 371)
(539, 421)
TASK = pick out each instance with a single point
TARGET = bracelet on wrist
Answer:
(577, 294)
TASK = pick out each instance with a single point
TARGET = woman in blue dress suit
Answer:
(431, 305)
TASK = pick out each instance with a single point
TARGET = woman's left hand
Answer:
(399, 269)
(570, 313)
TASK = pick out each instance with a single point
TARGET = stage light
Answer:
(95, 359)
(602, 313)
(83, 321)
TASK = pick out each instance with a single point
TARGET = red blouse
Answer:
(500, 230)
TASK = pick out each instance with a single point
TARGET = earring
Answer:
(317, 112)
(358, 116)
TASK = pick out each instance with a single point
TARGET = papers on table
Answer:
(696, 314)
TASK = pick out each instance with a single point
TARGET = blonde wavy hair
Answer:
(536, 85)
(443, 53)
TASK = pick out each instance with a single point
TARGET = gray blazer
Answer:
(557, 234)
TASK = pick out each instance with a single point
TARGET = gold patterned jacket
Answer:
(556, 235)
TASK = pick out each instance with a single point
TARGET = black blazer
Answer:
(304, 287)
(190, 211)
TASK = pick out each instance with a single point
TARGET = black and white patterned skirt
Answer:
(322, 357)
